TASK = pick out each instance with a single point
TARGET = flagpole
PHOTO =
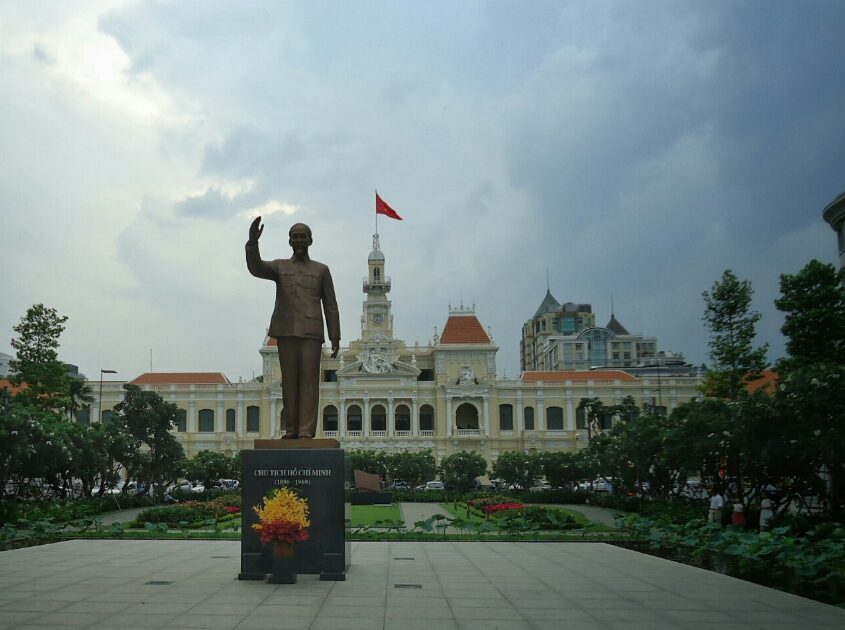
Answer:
(376, 211)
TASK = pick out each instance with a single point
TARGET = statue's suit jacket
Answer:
(301, 287)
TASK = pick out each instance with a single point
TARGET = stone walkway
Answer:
(114, 584)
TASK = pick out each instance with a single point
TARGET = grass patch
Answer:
(368, 515)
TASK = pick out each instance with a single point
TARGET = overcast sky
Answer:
(633, 149)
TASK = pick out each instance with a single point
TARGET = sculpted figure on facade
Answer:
(304, 291)
(467, 376)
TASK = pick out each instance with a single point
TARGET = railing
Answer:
(465, 432)
(501, 432)
(382, 283)
(378, 433)
(402, 433)
(426, 433)
(353, 434)
(330, 434)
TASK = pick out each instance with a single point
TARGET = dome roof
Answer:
(376, 255)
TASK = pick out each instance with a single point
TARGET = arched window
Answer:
(353, 418)
(253, 419)
(206, 424)
(230, 420)
(377, 275)
(378, 418)
(554, 419)
(426, 418)
(106, 415)
(466, 416)
(181, 420)
(580, 418)
(330, 418)
(528, 417)
(83, 416)
(506, 417)
(403, 418)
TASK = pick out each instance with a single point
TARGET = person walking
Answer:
(716, 505)
(738, 516)
(767, 512)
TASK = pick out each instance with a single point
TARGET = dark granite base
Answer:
(321, 476)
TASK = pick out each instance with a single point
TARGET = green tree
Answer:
(36, 365)
(460, 470)
(518, 469)
(207, 467)
(732, 325)
(412, 468)
(79, 395)
(371, 461)
(812, 375)
(563, 469)
(149, 420)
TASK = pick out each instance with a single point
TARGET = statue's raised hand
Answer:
(255, 230)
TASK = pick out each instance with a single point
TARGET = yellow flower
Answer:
(283, 505)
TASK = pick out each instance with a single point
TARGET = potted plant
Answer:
(283, 521)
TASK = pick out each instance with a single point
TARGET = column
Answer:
(540, 414)
(486, 416)
(219, 416)
(449, 417)
(415, 417)
(192, 413)
(570, 413)
(365, 420)
(240, 417)
(520, 414)
(390, 420)
(272, 415)
(341, 418)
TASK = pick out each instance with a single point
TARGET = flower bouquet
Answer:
(283, 521)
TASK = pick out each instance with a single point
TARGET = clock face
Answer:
(377, 318)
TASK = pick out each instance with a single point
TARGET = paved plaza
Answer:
(390, 586)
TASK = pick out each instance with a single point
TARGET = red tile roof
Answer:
(768, 382)
(463, 329)
(13, 389)
(579, 375)
(180, 378)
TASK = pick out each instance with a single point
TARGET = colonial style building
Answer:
(834, 214)
(383, 393)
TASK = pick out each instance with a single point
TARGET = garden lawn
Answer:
(367, 515)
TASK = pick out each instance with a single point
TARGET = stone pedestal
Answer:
(319, 471)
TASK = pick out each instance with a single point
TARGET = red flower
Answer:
(283, 531)
(231, 509)
(500, 507)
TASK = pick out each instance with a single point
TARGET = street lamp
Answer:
(100, 401)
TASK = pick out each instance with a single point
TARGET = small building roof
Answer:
(181, 378)
(463, 329)
(768, 382)
(579, 375)
(548, 305)
(13, 389)
(615, 327)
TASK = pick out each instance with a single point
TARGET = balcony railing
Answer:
(402, 433)
(468, 432)
(378, 433)
(353, 434)
(381, 285)
(330, 434)
(426, 433)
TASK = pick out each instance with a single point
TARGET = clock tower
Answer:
(376, 320)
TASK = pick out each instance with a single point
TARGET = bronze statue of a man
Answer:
(302, 286)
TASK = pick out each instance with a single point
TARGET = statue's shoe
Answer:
(288, 436)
